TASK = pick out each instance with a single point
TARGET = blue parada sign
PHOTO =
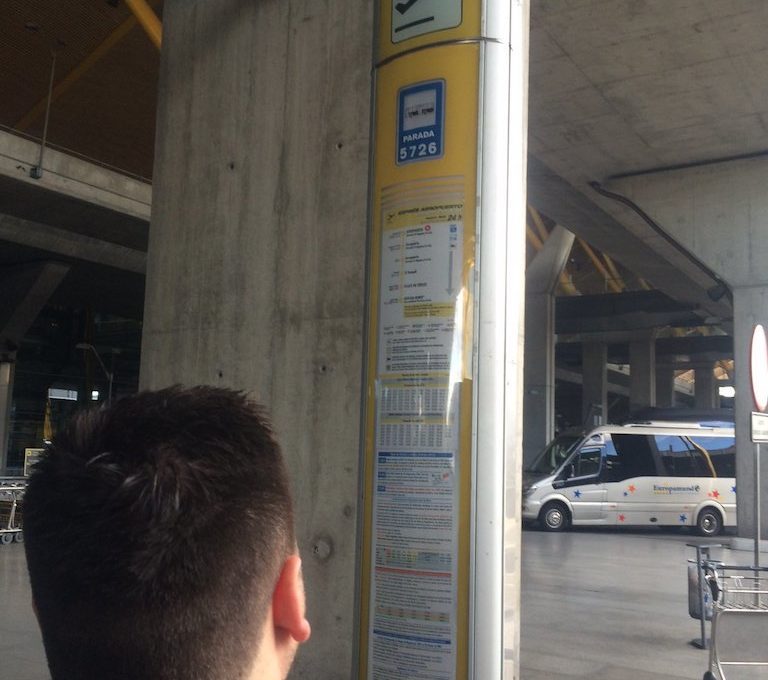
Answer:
(420, 122)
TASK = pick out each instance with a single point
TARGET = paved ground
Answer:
(610, 605)
(21, 649)
(603, 605)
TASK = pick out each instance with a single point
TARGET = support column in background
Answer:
(750, 306)
(665, 385)
(541, 277)
(705, 387)
(594, 387)
(6, 394)
(642, 374)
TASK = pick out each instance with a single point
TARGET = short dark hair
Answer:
(156, 529)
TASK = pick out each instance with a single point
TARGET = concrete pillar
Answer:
(665, 385)
(705, 387)
(642, 374)
(255, 272)
(750, 308)
(6, 394)
(539, 366)
(539, 369)
(594, 386)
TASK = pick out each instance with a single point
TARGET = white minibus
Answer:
(664, 474)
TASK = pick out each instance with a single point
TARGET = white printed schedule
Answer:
(412, 624)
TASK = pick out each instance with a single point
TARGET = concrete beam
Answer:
(24, 291)
(69, 244)
(74, 177)
(543, 273)
(636, 310)
(567, 205)
(577, 379)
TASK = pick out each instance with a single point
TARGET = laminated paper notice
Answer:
(412, 632)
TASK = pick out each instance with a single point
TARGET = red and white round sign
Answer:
(758, 367)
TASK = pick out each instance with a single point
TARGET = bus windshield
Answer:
(555, 453)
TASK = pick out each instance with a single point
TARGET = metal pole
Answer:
(702, 618)
(758, 530)
(37, 171)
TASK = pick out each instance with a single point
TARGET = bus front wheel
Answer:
(554, 517)
(709, 522)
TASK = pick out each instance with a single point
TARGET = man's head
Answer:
(160, 542)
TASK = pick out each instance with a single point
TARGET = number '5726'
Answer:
(418, 151)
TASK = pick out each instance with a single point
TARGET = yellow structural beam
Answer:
(542, 229)
(614, 271)
(533, 237)
(615, 287)
(148, 20)
(76, 73)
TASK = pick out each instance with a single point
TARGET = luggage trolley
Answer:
(11, 523)
(740, 621)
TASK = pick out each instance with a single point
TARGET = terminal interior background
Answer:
(103, 112)
(644, 230)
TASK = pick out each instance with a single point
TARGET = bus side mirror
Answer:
(571, 471)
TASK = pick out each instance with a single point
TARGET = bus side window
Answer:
(634, 457)
(588, 462)
(681, 459)
(722, 453)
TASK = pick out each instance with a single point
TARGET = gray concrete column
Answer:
(705, 387)
(539, 366)
(539, 369)
(665, 385)
(750, 306)
(642, 374)
(594, 386)
(6, 393)
(255, 271)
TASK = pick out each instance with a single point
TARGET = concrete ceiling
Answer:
(616, 87)
(625, 86)
(105, 77)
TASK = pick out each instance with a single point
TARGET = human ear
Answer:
(288, 603)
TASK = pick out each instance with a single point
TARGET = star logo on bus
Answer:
(632, 488)
(622, 518)
(683, 518)
(577, 493)
(733, 489)
(714, 494)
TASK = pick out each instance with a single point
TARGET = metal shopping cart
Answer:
(739, 641)
(11, 518)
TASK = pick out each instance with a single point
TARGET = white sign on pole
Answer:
(411, 18)
(759, 427)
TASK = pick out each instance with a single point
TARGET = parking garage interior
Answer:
(644, 225)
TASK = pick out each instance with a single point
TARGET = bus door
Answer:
(580, 482)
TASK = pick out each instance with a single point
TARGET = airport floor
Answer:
(597, 604)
